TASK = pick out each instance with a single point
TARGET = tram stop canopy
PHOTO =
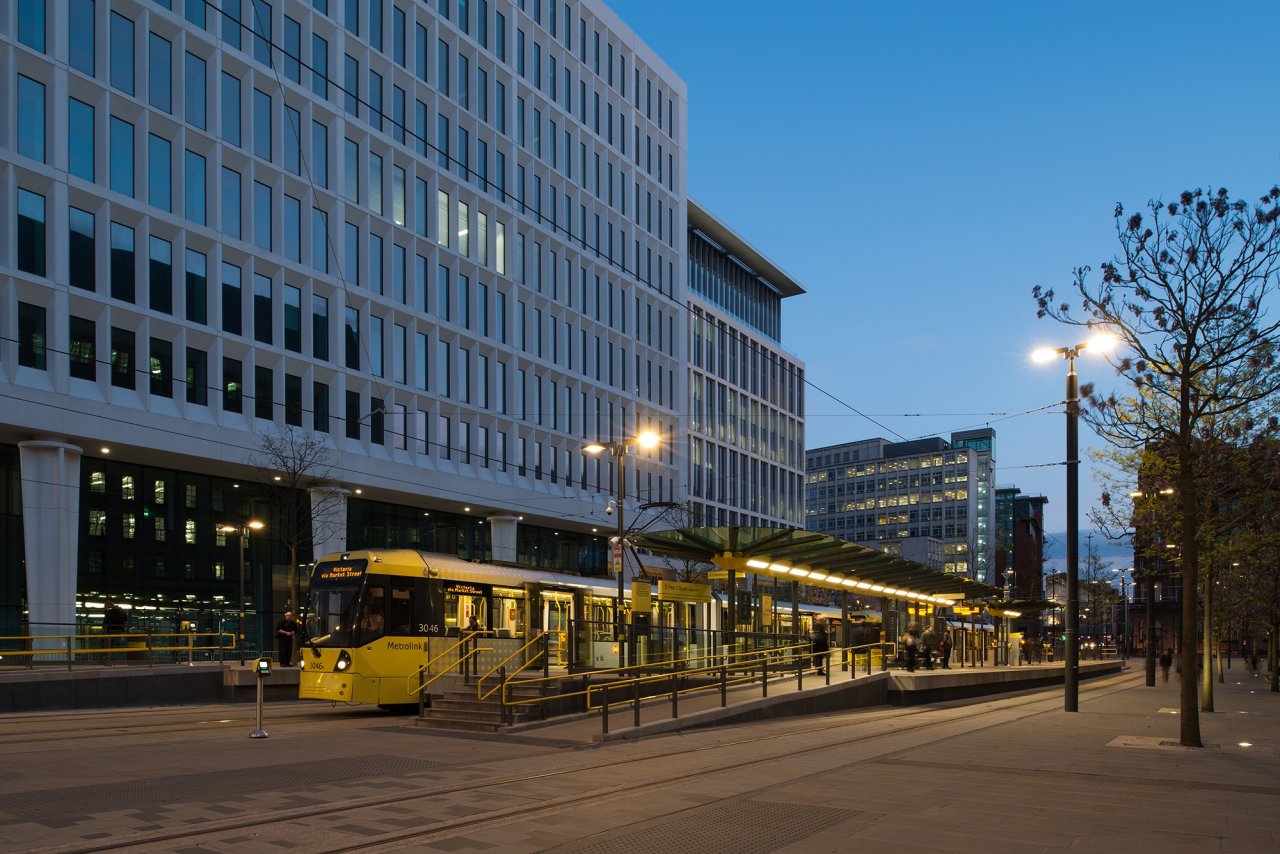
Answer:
(815, 559)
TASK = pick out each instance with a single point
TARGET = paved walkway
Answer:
(1007, 773)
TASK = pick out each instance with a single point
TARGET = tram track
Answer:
(213, 833)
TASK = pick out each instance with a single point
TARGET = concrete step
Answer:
(463, 724)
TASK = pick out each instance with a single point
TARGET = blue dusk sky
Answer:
(918, 166)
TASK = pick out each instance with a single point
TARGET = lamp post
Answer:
(1071, 677)
(646, 440)
(1124, 614)
(240, 532)
(1150, 640)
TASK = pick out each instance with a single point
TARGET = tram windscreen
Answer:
(335, 595)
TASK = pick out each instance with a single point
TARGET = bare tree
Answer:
(291, 463)
(1187, 296)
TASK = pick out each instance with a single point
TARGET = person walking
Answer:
(819, 644)
(928, 641)
(1166, 661)
(911, 645)
(114, 621)
(286, 632)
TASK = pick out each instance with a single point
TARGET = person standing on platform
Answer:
(944, 648)
(286, 632)
(819, 644)
(928, 642)
(1166, 661)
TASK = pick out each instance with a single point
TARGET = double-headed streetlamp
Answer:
(240, 532)
(1071, 678)
(645, 441)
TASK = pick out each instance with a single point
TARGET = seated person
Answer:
(371, 621)
(473, 625)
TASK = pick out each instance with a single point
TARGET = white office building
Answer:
(446, 237)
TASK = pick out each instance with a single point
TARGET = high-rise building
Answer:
(447, 239)
(929, 500)
(746, 394)
(1020, 542)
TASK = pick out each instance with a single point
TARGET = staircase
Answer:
(460, 710)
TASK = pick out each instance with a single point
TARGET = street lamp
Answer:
(1071, 676)
(240, 532)
(1150, 640)
(645, 441)
(1124, 595)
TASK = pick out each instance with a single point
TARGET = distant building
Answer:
(897, 496)
(1020, 541)
(746, 394)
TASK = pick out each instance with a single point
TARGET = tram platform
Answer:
(125, 684)
(813, 694)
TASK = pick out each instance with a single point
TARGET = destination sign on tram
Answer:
(341, 571)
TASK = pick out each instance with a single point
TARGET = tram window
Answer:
(372, 613)
(400, 612)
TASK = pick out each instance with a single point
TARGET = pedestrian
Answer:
(286, 632)
(819, 644)
(114, 620)
(1166, 661)
(911, 644)
(928, 643)
(944, 648)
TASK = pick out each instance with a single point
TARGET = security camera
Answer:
(608, 510)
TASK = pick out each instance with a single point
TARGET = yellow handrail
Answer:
(73, 643)
(759, 657)
(483, 695)
(417, 674)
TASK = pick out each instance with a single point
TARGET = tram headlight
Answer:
(344, 661)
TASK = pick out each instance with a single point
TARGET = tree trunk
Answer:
(1188, 705)
(1273, 653)
(1206, 638)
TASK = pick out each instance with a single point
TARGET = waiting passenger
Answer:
(928, 641)
(819, 644)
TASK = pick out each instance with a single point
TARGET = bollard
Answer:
(262, 669)
(635, 685)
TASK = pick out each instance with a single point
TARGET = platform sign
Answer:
(683, 591)
(641, 596)
(718, 575)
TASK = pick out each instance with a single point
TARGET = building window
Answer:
(159, 71)
(122, 263)
(320, 328)
(292, 319)
(231, 108)
(197, 377)
(97, 523)
(262, 309)
(293, 400)
(231, 202)
(161, 275)
(80, 36)
(161, 368)
(194, 87)
(194, 187)
(121, 174)
(197, 287)
(353, 415)
(158, 166)
(31, 233)
(83, 334)
(121, 53)
(320, 407)
(31, 118)
(232, 384)
(32, 337)
(352, 349)
(81, 136)
(122, 350)
(231, 303)
(262, 125)
(263, 392)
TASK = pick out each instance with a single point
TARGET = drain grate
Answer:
(72, 804)
(739, 827)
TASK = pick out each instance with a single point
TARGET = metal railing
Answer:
(116, 649)
(500, 668)
(460, 662)
(734, 668)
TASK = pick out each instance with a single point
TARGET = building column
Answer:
(328, 520)
(502, 534)
(51, 526)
